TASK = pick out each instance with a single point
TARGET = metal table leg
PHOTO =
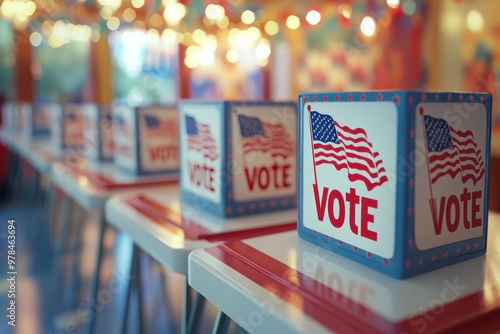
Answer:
(94, 290)
(195, 313)
(135, 285)
(186, 307)
(220, 325)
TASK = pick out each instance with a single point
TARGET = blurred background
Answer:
(159, 51)
(143, 51)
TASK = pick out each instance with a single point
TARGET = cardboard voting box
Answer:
(37, 120)
(67, 126)
(395, 180)
(146, 139)
(12, 115)
(98, 133)
(238, 158)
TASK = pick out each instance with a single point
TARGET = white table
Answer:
(169, 230)
(282, 284)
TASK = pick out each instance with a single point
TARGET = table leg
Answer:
(64, 223)
(220, 323)
(94, 290)
(195, 313)
(186, 307)
(74, 278)
(135, 285)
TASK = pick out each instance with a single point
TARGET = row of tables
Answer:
(255, 269)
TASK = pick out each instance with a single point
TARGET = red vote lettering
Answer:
(276, 176)
(455, 209)
(201, 175)
(335, 200)
(163, 153)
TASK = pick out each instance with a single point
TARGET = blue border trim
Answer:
(234, 208)
(405, 262)
(229, 207)
(389, 266)
(187, 196)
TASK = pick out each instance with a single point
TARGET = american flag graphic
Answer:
(200, 138)
(258, 136)
(158, 127)
(346, 148)
(452, 152)
(122, 125)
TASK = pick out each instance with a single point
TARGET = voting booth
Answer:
(146, 139)
(238, 158)
(37, 119)
(12, 115)
(396, 180)
(67, 126)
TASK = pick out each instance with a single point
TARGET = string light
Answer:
(113, 23)
(232, 56)
(129, 15)
(313, 17)
(368, 26)
(35, 38)
(137, 3)
(393, 3)
(248, 17)
(292, 22)
(271, 28)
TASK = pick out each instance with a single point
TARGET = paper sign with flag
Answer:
(452, 152)
(346, 148)
(200, 138)
(158, 127)
(259, 136)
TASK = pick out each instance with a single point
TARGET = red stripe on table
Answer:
(189, 229)
(336, 311)
(99, 181)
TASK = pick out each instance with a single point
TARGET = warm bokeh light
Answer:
(293, 22)
(253, 33)
(368, 26)
(232, 56)
(345, 10)
(215, 12)
(262, 62)
(169, 36)
(263, 50)
(475, 21)
(393, 3)
(137, 3)
(35, 38)
(174, 13)
(313, 17)
(224, 23)
(248, 17)
(129, 15)
(199, 36)
(271, 28)
(113, 23)
(106, 13)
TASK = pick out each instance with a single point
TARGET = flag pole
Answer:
(312, 144)
(432, 201)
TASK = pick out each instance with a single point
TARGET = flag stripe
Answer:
(347, 148)
(462, 157)
(258, 136)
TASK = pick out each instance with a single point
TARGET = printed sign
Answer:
(73, 125)
(349, 168)
(37, 121)
(450, 175)
(200, 135)
(264, 152)
(159, 141)
(125, 138)
(99, 143)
